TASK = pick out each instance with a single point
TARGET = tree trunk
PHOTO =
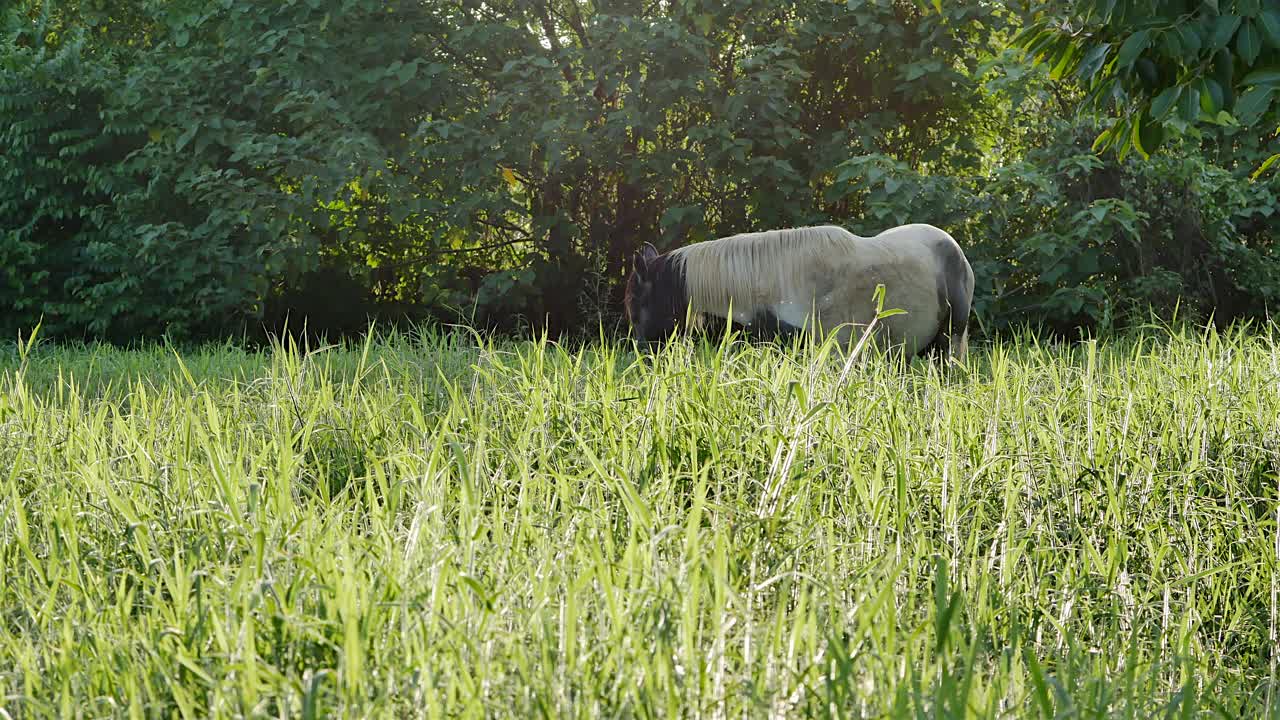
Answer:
(558, 307)
(626, 230)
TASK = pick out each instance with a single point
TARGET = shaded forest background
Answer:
(194, 169)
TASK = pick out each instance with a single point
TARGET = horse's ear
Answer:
(644, 256)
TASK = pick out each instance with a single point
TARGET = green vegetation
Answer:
(199, 169)
(447, 524)
(446, 527)
(1166, 66)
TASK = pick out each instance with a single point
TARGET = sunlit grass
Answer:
(446, 527)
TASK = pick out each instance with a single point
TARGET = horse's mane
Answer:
(755, 268)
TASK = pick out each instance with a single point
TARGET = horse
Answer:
(783, 281)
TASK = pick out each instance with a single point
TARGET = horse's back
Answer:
(924, 272)
(916, 233)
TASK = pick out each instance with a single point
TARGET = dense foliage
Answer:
(1165, 66)
(198, 168)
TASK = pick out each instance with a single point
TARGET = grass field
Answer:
(444, 527)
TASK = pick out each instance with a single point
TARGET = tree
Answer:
(184, 167)
(1163, 68)
(615, 122)
(169, 166)
(197, 162)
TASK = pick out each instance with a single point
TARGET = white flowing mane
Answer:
(752, 269)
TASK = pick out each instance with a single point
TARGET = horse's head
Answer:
(655, 298)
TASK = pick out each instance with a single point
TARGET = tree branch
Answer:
(503, 226)
(453, 251)
(574, 21)
(549, 28)
(479, 71)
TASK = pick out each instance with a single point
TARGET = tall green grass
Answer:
(446, 526)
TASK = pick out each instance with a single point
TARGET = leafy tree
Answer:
(611, 123)
(181, 176)
(166, 184)
(1164, 68)
(193, 167)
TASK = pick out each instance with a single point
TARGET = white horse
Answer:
(783, 281)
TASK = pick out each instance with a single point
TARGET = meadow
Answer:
(444, 525)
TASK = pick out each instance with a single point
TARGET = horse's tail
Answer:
(960, 298)
(955, 290)
(961, 349)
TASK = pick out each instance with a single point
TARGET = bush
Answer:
(186, 171)
(193, 169)
(1065, 240)
(173, 185)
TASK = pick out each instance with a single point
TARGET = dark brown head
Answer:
(656, 299)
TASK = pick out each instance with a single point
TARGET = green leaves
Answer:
(221, 170)
(1251, 105)
(1222, 29)
(223, 175)
(1188, 38)
(1163, 102)
(1093, 60)
(1266, 165)
(1147, 136)
(1269, 21)
(1248, 43)
(1189, 105)
(1264, 76)
(241, 157)
(403, 72)
(1132, 48)
(1211, 96)
(1177, 67)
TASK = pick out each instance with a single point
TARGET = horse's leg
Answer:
(769, 327)
(960, 345)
